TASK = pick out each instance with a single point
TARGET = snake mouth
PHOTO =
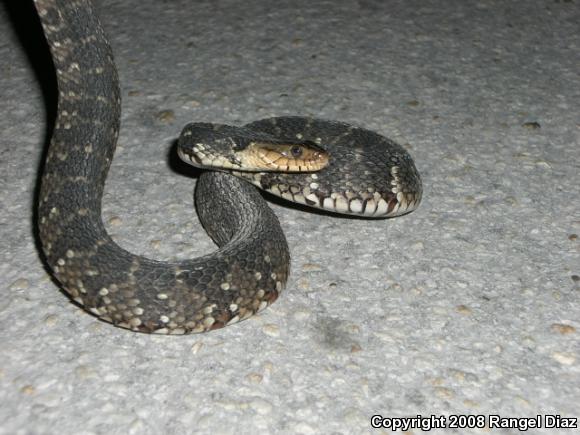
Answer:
(189, 157)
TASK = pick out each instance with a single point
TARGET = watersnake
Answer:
(362, 173)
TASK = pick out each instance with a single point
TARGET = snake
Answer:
(318, 163)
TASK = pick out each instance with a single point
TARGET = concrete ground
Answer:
(468, 306)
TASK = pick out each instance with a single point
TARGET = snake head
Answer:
(219, 146)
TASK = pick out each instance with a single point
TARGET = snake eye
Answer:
(296, 151)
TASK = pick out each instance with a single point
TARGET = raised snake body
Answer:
(251, 267)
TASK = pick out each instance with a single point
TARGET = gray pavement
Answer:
(468, 306)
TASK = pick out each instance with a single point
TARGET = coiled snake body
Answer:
(366, 174)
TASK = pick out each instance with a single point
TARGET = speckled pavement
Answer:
(468, 306)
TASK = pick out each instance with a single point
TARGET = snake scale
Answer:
(367, 174)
